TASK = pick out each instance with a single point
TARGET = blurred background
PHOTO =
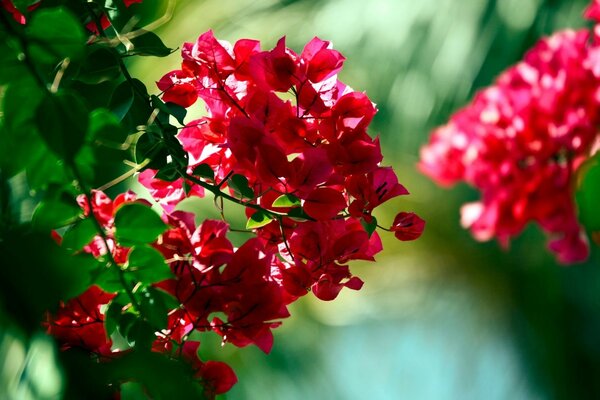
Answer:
(444, 317)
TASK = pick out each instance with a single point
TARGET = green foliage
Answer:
(137, 223)
(588, 194)
(258, 219)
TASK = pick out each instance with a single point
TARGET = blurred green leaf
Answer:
(55, 211)
(99, 65)
(55, 34)
(588, 194)
(79, 234)
(62, 120)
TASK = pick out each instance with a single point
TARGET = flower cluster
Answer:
(521, 141)
(293, 130)
(287, 140)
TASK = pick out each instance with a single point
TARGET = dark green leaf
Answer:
(114, 312)
(137, 223)
(588, 194)
(204, 171)
(55, 211)
(122, 100)
(80, 234)
(239, 183)
(132, 391)
(369, 227)
(152, 308)
(100, 65)
(286, 200)
(141, 334)
(258, 219)
(169, 173)
(12, 69)
(148, 265)
(149, 44)
(169, 108)
(101, 158)
(55, 34)
(298, 214)
(148, 146)
(62, 120)
(20, 143)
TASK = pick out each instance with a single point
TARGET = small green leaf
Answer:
(204, 171)
(169, 173)
(80, 234)
(55, 34)
(239, 183)
(148, 265)
(169, 108)
(137, 223)
(286, 200)
(56, 211)
(149, 44)
(62, 120)
(258, 219)
(369, 227)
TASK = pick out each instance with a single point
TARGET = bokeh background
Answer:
(444, 317)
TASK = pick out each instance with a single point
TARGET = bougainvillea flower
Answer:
(521, 142)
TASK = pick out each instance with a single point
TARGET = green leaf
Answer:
(12, 69)
(588, 194)
(148, 146)
(55, 34)
(100, 65)
(56, 210)
(132, 391)
(258, 219)
(298, 214)
(239, 183)
(122, 100)
(204, 171)
(20, 143)
(80, 234)
(169, 108)
(286, 200)
(22, 5)
(148, 265)
(130, 103)
(152, 308)
(62, 120)
(169, 173)
(149, 44)
(108, 280)
(114, 312)
(101, 158)
(369, 227)
(137, 223)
